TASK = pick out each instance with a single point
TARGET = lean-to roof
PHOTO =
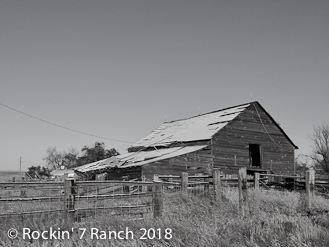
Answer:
(137, 158)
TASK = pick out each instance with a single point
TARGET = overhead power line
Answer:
(28, 162)
(63, 127)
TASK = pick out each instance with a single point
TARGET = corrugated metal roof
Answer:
(59, 172)
(166, 155)
(138, 158)
(201, 127)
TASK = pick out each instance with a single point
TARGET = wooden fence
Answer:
(309, 184)
(80, 199)
(243, 182)
(77, 199)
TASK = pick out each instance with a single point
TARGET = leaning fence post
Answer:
(256, 180)
(217, 184)
(157, 199)
(243, 193)
(184, 181)
(69, 198)
(309, 186)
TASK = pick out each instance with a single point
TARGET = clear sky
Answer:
(118, 69)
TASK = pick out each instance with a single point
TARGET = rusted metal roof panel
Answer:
(138, 158)
(201, 127)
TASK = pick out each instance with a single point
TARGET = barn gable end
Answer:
(232, 146)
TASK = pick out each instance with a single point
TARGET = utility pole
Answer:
(20, 164)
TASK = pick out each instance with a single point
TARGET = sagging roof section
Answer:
(201, 127)
(138, 158)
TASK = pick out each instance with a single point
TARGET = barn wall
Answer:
(195, 162)
(230, 146)
(131, 172)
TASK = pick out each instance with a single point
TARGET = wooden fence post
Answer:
(206, 186)
(125, 187)
(309, 186)
(23, 193)
(256, 180)
(217, 185)
(170, 179)
(157, 199)
(144, 188)
(243, 193)
(184, 181)
(69, 198)
(200, 187)
(156, 177)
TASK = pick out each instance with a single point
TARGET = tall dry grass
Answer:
(276, 218)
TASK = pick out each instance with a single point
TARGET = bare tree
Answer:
(302, 164)
(72, 158)
(320, 141)
(54, 158)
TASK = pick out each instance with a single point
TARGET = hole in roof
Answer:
(231, 113)
(218, 123)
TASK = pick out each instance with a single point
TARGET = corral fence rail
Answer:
(76, 199)
(83, 199)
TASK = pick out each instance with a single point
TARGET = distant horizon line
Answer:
(12, 171)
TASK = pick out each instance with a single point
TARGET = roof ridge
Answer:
(201, 127)
(227, 108)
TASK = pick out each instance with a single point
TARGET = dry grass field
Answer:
(277, 218)
(6, 176)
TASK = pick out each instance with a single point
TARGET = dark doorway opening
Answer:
(255, 155)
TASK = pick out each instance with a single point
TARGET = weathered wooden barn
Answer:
(240, 136)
